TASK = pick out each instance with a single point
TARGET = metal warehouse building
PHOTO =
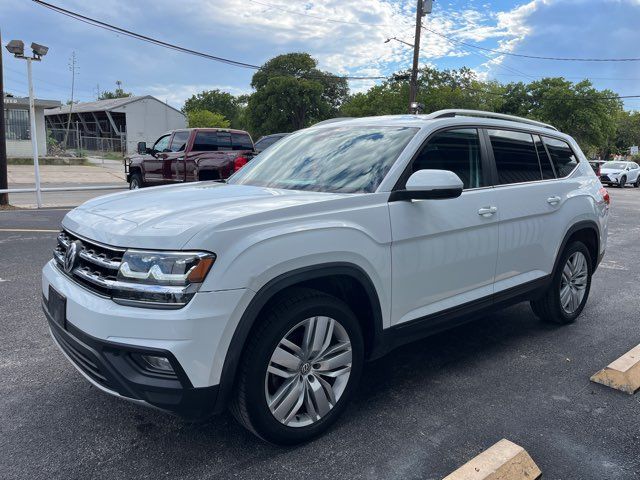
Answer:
(18, 125)
(115, 124)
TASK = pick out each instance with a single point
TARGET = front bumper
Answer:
(111, 367)
(99, 337)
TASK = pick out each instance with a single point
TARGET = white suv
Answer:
(269, 292)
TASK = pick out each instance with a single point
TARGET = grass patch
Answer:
(50, 161)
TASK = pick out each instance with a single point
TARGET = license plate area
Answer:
(57, 304)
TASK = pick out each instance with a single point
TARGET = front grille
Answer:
(83, 360)
(95, 266)
(605, 178)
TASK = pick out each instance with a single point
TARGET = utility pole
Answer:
(4, 197)
(423, 7)
(72, 67)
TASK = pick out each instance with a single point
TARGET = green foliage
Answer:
(217, 101)
(207, 119)
(291, 93)
(117, 93)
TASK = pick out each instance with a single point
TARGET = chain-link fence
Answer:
(84, 144)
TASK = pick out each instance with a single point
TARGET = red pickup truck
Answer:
(189, 155)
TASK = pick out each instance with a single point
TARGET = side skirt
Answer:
(419, 328)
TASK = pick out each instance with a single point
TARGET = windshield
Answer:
(615, 165)
(331, 159)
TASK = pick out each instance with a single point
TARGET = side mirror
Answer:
(429, 185)
(142, 147)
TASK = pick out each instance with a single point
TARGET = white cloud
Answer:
(176, 94)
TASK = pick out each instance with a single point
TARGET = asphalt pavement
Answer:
(420, 412)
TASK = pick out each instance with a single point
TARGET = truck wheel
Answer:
(300, 368)
(567, 295)
(136, 182)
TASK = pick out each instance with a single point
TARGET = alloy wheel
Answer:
(308, 371)
(573, 283)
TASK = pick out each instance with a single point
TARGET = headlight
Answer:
(167, 278)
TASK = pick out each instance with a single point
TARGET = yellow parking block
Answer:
(503, 461)
(623, 373)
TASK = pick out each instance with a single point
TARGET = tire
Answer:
(551, 306)
(136, 182)
(623, 182)
(637, 182)
(284, 321)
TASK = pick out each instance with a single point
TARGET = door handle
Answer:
(553, 200)
(487, 211)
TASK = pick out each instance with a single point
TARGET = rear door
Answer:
(444, 251)
(532, 202)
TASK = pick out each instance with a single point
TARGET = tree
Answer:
(117, 93)
(215, 101)
(292, 93)
(207, 119)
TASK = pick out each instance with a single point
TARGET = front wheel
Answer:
(623, 182)
(300, 368)
(567, 295)
(135, 182)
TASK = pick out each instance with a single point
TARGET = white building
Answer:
(18, 125)
(127, 120)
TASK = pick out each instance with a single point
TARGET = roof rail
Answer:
(454, 112)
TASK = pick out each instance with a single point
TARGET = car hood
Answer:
(167, 217)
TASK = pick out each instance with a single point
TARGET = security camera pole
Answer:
(16, 47)
(423, 8)
(4, 197)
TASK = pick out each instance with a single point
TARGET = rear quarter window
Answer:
(562, 156)
(205, 142)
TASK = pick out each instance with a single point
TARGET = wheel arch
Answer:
(333, 278)
(587, 232)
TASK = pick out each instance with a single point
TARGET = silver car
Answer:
(620, 173)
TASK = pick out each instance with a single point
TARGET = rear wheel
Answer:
(135, 182)
(300, 368)
(637, 182)
(567, 295)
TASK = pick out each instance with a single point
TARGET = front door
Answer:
(173, 168)
(444, 251)
(154, 162)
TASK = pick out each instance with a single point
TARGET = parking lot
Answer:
(421, 412)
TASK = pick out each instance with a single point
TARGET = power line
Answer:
(536, 57)
(171, 46)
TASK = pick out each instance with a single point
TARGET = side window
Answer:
(455, 150)
(516, 157)
(179, 142)
(224, 141)
(634, 166)
(545, 161)
(162, 143)
(241, 141)
(563, 158)
(205, 142)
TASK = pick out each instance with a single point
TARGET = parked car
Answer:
(268, 140)
(189, 155)
(620, 173)
(269, 292)
(596, 164)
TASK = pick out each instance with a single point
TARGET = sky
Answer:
(347, 37)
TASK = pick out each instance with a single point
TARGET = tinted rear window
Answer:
(545, 161)
(515, 156)
(205, 142)
(563, 158)
(241, 141)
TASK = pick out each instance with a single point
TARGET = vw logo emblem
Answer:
(71, 256)
(305, 368)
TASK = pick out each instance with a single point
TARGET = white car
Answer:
(620, 173)
(268, 293)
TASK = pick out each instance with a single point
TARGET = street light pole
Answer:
(34, 140)
(4, 197)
